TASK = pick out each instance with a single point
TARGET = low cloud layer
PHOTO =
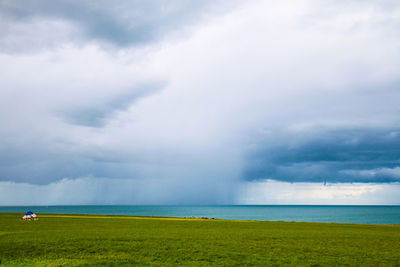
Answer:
(95, 190)
(90, 190)
(189, 101)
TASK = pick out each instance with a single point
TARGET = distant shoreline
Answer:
(101, 216)
(325, 214)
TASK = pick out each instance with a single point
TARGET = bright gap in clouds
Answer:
(272, 192)
(196, 103)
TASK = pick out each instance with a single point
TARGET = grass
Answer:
(84, 240)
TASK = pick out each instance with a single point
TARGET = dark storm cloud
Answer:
(121, 23)
(97, 115)
(336, 156)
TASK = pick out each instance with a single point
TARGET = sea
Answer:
(290, 213)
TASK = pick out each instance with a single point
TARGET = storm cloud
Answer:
(348, 155)
(185, 102)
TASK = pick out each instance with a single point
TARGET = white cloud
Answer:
(270, 192)
(35, 35)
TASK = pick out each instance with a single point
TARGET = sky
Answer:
(199, 102)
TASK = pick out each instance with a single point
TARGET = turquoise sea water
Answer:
(338, 214)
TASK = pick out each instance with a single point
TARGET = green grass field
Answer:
(80, 240)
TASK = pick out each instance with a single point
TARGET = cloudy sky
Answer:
(199, 102)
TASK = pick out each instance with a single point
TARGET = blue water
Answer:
(338, 214)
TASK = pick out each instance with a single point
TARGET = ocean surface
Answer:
(337, 214)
